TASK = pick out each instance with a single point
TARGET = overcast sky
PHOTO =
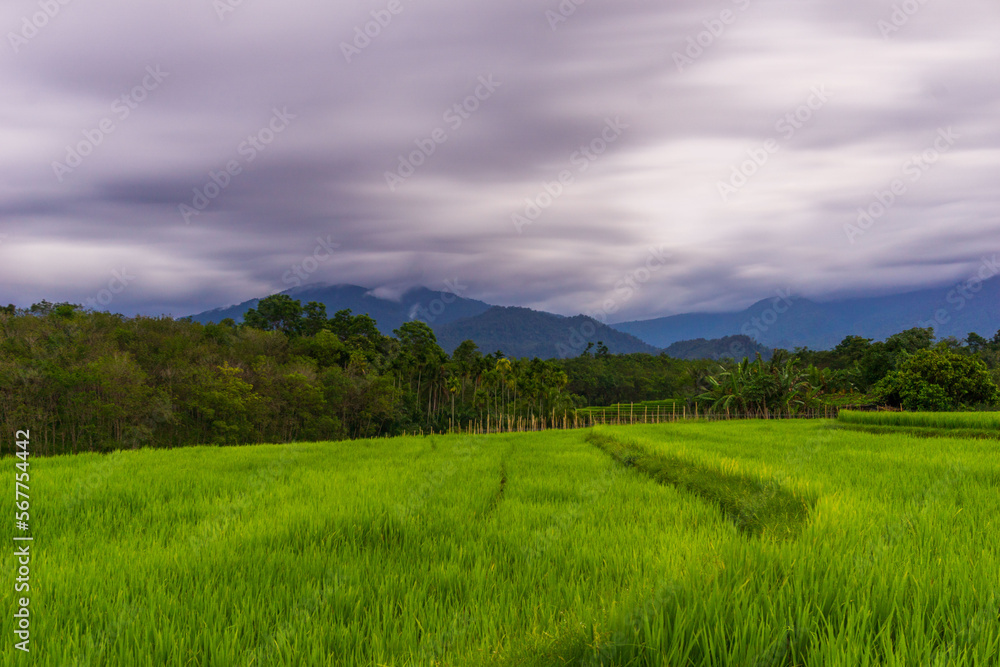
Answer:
(707, 153)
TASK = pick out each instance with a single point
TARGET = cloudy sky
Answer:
(178, 156)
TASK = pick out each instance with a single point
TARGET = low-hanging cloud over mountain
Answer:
(625, 159)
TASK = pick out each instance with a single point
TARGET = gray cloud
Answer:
(552, 92)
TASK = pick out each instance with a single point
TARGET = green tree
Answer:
(880, 358)
(420, 362)
(976, 343)
(938, 379)
(314, 319)
(278, 312)
(761, 387)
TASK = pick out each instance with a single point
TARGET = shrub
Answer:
(936, 380)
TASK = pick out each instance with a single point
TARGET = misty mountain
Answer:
(788, 322)
(783, 321)
(434, 308)
(522, 332)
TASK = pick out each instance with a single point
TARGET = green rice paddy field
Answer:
(758, 544)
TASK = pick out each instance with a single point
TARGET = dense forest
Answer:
(86, 381)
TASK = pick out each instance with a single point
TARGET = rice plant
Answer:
(947, 420)
(521, 549)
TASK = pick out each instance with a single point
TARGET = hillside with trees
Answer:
(94, 381)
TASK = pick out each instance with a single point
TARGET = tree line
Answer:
(95, 381)
(910, 371)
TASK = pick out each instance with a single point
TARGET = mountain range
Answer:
(788, 322)
(517, 332)
(785, 321)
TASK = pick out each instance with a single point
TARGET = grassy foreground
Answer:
(957, 420)
(671, 545)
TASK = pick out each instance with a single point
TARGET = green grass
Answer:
(755, 506)
(924, 431)
(521, 549)
(962, 420)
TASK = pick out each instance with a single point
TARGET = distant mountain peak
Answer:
(522, 332)
(799, 322)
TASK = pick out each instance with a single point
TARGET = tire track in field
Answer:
(756, 508)
(498, 495)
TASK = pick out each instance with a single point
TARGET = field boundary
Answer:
(627, 414)
(920, 431)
